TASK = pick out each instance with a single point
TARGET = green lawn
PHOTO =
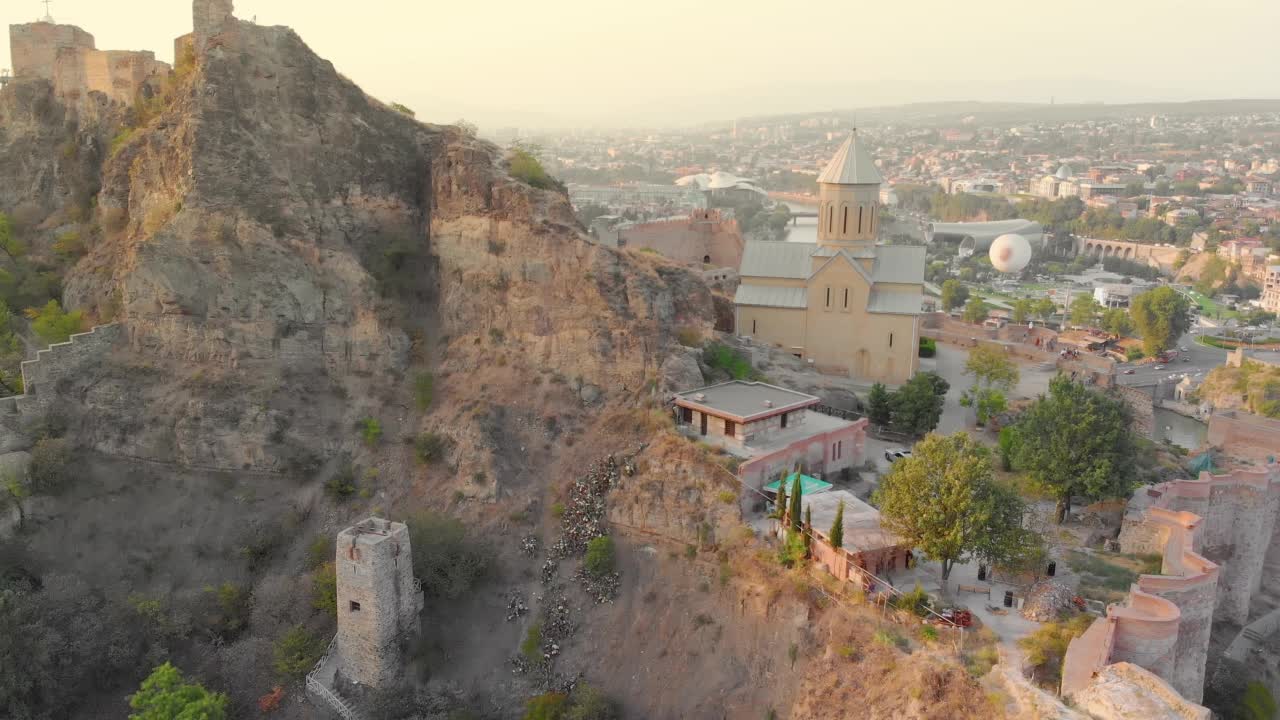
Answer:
(1209, 307)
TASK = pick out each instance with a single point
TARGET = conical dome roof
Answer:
(851, 165)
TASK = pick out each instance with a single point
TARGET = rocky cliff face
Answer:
(280, 246)
(50, 157)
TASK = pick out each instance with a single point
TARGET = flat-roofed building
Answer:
(773, 430)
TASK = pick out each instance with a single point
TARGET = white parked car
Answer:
(893, 455)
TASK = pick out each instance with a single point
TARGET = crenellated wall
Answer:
(40, 378)
(65, 56)
(1212, 534)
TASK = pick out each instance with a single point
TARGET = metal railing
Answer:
(315, 685)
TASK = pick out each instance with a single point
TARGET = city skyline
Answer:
(678, 64)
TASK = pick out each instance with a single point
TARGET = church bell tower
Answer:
(849, 199)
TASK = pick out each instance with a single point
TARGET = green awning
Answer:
(808, 485)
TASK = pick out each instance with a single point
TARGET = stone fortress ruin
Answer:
(379, 601)
(1212, 534)
(67, 57)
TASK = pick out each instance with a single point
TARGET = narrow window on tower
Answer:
(859, 218)
(831, 217)
(828, 297)
(844, 219)
(846, 298)
(753, 327)
(890, 339)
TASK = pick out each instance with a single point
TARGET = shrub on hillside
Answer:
(1047, 646)
(52, 324)
(722, 357)
(370, 431)
(445, 558)
(928, 347)
(525, 167)
(429, 447)
(296, 653)
(324, 589)
(600, 558)
(424, 390)
(342, 484)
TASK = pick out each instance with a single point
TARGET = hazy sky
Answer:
(619, 62)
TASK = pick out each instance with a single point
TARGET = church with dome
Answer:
(847, 304)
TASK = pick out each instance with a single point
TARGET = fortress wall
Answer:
(34, 47)
(1244, 434)
(65, 56)
(1165, 625)
(1146, 633)
(690, 240)
(40, 377)
(1143, 407)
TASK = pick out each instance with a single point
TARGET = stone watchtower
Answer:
(210, 18)
(378, 600)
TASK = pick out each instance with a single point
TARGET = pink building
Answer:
(771, 429)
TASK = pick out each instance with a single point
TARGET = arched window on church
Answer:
(831, 217)
(844, 221)
(859, 218)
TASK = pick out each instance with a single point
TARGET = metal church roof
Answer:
(851, 165)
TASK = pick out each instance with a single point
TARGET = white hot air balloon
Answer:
(1010, 253)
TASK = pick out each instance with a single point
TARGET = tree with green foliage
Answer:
(797, 496)
(994, 374)
(1022, 310)
(780, 502)
(53, 325)
(1045, 308)
(1084, 310)
(1161, 316)
(1079, 444)
(11, 354)
(917, 405)
(1116, 321)
(1006, 443)
(879, 405)
(944, 501)
(166, 695)
(991, 368)
(975, 311)
(600, 558)
(808, 523)
(9, 243)
(403, 109)
(954, 294)
(837, 527)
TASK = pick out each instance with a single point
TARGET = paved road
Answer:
(1197, 361)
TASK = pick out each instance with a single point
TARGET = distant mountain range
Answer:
(932, 113)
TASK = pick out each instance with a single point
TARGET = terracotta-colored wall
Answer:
(1165, 625)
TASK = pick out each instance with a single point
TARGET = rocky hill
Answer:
(328, 310)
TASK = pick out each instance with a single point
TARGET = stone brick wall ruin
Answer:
(1213, 534)
(66, 56)
(41, 377)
